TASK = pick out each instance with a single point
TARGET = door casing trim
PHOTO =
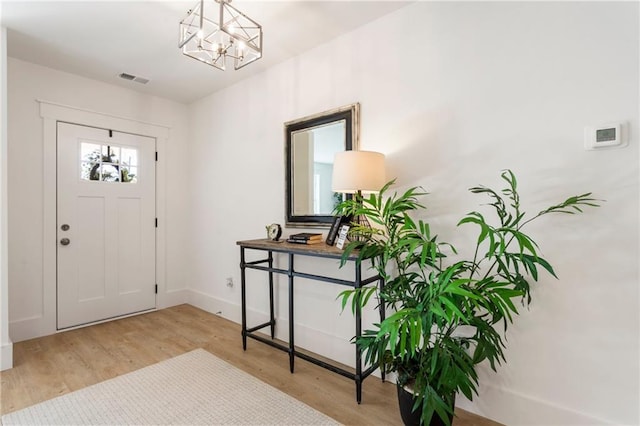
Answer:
(51, 113)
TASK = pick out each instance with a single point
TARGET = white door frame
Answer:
(51, 113)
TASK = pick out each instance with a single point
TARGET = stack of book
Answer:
(305, 238)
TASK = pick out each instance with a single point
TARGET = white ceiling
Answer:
(101, 39)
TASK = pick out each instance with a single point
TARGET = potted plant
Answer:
(449, 314)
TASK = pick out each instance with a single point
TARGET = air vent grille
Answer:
(135, 78)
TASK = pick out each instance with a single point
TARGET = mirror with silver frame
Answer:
(311, 144)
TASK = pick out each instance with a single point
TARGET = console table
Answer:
(291, 251)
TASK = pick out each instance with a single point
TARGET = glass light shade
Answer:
(355, 171)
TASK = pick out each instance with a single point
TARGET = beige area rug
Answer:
(195, 388)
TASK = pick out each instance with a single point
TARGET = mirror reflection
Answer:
(312, 166)
(311, 145)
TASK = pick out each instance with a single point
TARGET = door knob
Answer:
(65, 241)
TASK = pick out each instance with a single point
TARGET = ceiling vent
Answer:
(137, 79)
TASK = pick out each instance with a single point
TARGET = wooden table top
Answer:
(281, 246)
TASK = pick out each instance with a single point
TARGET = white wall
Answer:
(29, 310)
(453, 93)
(6, 347)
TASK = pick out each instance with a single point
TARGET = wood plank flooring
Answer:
(54, 365)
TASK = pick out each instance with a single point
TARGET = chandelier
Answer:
(218, 33)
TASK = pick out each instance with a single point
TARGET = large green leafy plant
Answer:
(449, 314)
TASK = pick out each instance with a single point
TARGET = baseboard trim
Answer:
(30, 328)
(213, 305)
(172, 298)
(513, 408)
(6, 356)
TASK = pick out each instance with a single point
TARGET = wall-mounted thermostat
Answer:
(610, 135)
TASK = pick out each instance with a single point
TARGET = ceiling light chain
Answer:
(213, 40)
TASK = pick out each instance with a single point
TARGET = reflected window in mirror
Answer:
(312, 166)
(311, 145)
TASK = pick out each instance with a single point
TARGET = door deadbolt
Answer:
(65, 227)
(65, 241)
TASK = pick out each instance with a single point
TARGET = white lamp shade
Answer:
(355, 171)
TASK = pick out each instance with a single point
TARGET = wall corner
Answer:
(6, 352)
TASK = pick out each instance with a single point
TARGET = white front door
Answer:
(105, 224)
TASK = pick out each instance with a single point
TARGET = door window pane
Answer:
(90, 161)
(129, 174)
(90, 171)
(89, 152)
(129, 156)
(110, 154)
(110, 173)
(108, 163)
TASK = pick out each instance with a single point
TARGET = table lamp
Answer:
(358, 172)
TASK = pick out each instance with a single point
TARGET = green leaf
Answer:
(344, 297)
(546, 266)
(571, 204)
(452, 307)
(454, 288)
(440, 312)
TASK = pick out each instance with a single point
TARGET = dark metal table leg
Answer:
(358, 378)
(243, 291)
(272, 316)
(292, 351)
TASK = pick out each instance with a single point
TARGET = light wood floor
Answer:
(54, 365)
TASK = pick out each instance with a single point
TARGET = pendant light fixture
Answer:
(214, 32)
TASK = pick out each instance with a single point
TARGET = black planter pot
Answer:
(412, 418)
